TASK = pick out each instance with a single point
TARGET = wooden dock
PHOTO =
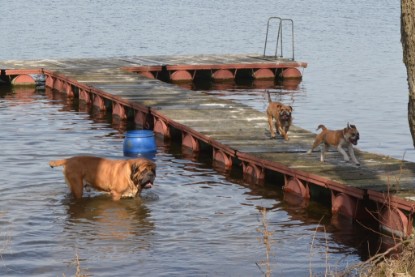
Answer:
(188, 68)
(236, 135)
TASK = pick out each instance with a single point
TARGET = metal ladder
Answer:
(279, 42)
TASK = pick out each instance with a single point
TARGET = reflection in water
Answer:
(296, 201)
(21, 95)
(103, 218)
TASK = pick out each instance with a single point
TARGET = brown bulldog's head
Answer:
(285, 112)
(143, 173)
(351, 133)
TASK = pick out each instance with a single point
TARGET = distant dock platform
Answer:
(234, 134)
(216, 67)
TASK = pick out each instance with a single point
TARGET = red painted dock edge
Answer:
(220, 72)
(394, 214)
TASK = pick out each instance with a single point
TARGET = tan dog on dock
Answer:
(338, 138)
(282, 115)
(120, 178)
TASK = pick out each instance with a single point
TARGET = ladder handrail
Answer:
(279, 36)
(266, 36)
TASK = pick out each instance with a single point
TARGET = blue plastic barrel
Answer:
(139, 142)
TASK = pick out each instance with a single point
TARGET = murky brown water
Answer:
(196, 221)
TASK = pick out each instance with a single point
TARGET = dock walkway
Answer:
(237, 134)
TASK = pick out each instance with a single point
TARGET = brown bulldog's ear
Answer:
(352, 126)
(291, 108)
(134, 168)
(134, 171)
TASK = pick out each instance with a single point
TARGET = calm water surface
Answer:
(195, 221)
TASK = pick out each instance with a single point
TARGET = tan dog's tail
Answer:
(322, 127)
(57, 163)
(269, 97)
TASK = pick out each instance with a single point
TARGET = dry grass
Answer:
(79, 271)
(267, 241)
(327, 273)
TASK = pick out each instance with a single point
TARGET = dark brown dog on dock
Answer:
(282, 115)
(338, 138)
(120, 178)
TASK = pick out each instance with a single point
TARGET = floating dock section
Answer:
(234, 134)
(217, 68)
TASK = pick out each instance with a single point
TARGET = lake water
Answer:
(195, 221)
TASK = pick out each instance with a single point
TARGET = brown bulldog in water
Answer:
(120, 178)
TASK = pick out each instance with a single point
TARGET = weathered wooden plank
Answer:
(203, 60)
